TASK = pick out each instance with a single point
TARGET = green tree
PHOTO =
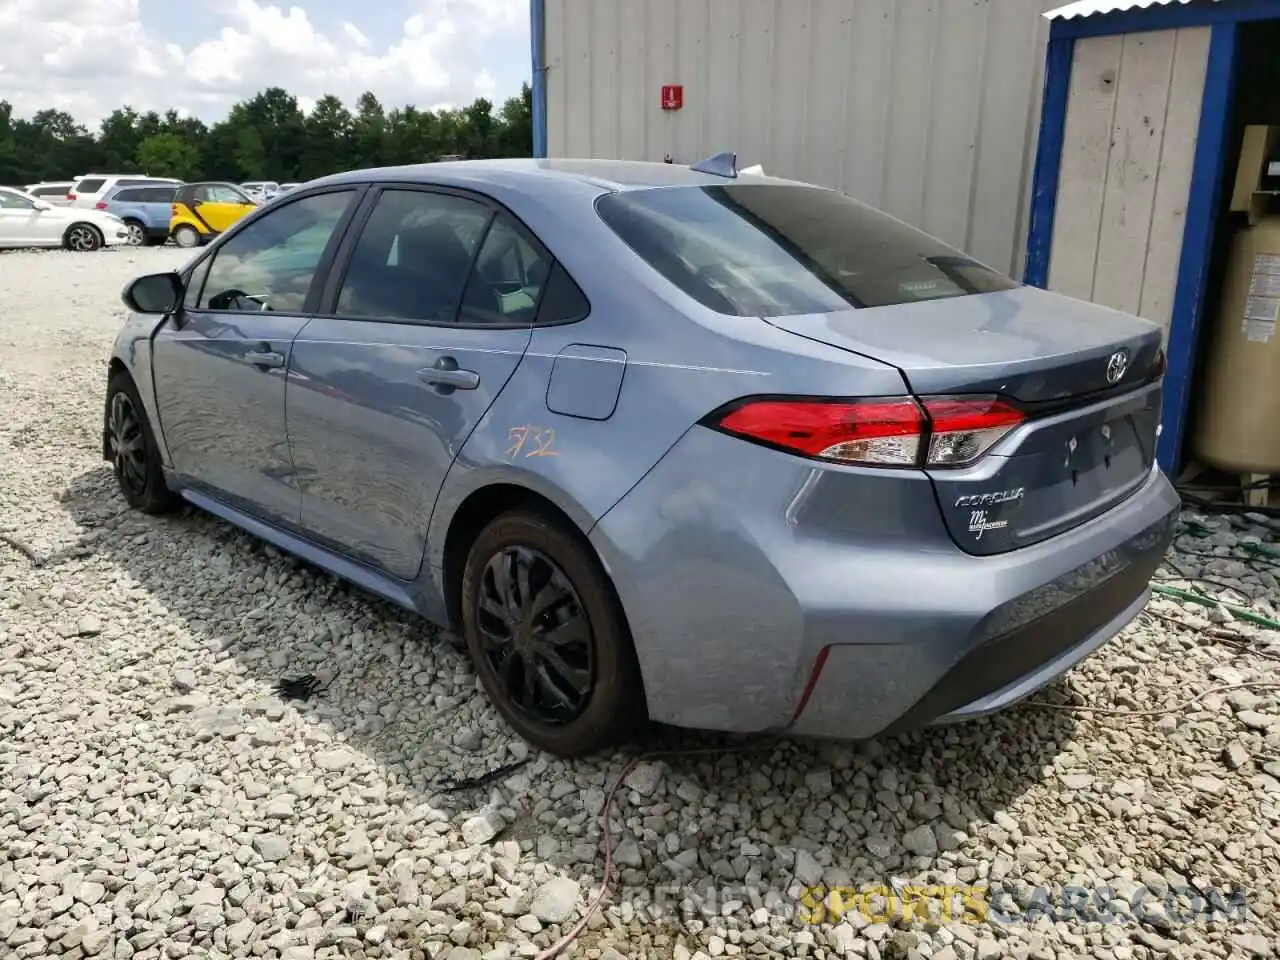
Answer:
(168, 155)
(266, 136)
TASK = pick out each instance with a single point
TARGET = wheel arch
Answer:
(474, 510)
(66, 234)
(487, 501)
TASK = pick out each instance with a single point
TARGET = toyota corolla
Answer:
(660, 442)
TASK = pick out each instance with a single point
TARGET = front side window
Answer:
(225, 193)
(413, 257)
(767, 250)
(14, 201)
(270, 264)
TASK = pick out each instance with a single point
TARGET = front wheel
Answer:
(548, 637)
(82, 237)
(135, 457)
(185, 236)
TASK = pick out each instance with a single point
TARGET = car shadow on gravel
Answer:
(762, 814)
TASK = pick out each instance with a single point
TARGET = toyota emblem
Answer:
(1117, 366)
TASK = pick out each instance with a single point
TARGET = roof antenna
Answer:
(721, 165)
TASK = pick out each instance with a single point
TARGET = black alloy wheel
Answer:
(536, 635)
(131, 448)
(128, 445)
(548, 636)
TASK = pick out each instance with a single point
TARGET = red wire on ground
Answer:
(558, 947)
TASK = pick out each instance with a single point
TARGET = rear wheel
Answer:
(82, 237)
(135, 458)
(548, 638)
(137, 236)
(185, 236)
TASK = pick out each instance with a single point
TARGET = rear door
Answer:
(421, 333)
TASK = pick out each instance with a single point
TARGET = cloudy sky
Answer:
(199, 56)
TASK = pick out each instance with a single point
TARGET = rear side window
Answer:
(89, 185)
(413, 257)
(507, 279)
(768, 250)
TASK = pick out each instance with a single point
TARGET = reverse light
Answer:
(878, 431)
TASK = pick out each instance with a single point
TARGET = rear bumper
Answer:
(765, 594)
(990, 674)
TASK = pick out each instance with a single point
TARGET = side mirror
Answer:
(156, 293)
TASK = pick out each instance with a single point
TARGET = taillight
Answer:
(878, 431)
(961, 429)
(71, 197)
(100, 205)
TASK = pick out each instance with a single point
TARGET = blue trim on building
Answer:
(1197, 13)
(1044, 185)
(538, 85)
(1197, 237)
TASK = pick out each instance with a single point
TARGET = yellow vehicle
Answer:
(201, 211)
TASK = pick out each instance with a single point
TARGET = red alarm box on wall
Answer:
(672, 96)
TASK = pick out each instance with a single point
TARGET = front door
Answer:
(416, 342)
(218, 205)
(21, 224)
(220, 362)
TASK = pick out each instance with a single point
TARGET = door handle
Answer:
(447, 375)
(264, 358)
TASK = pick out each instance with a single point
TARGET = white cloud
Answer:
(88, 57)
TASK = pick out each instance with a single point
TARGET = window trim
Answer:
(327, 307)
(323, 265)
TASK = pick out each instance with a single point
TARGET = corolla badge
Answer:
(1117, 365)
(990, 499)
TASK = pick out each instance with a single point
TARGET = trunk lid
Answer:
(1089, 439)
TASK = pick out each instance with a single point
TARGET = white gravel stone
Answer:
(158, 801)
(555, 900)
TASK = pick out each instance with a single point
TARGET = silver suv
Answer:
(91, 189)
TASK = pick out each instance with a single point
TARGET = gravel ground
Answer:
(157, 799)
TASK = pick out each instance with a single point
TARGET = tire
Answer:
(611, 706)
(82, 237)
(185, 236)
(135, 458)
(137, 234)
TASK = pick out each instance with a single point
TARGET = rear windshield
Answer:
(768, 250)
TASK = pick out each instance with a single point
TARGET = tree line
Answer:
(267, 137)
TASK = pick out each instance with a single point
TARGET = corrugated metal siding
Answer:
(1088, 8)
(1133, 116)
(926, 108)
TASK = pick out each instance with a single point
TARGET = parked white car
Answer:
(261, 190)
(92, 188)
(51, 191)
(26, 221)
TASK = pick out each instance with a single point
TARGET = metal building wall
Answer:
(1129, 144)
(925, 108)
